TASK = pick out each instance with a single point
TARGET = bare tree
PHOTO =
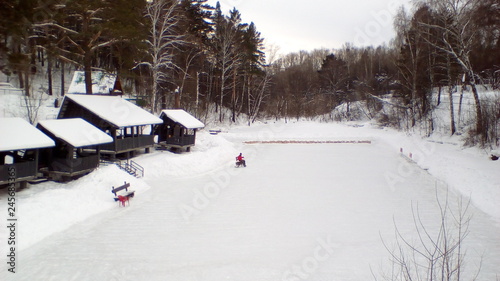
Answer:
(458, 35)
(432, 255)
(188, 63)
(256, 97)
(33, 103)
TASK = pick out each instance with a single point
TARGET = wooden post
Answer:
(36, 162)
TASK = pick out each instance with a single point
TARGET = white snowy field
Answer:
(296, 212)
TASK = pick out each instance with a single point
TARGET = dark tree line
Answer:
(173, 53)
(187, 54)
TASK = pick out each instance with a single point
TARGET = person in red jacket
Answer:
(240, 160)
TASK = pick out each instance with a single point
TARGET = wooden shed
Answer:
(19, 151)
(77, 150)
(178, 129)
(130, 126)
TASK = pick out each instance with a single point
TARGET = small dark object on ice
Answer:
(494, 157)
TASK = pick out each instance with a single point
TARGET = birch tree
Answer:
(256, 96)
(225, 43)
(162, 41)
(163, 18)
(457, 41)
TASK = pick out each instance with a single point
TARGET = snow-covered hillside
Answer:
(438, 121)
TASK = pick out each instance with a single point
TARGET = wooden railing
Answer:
(181, 141)
(129, 143)
(131, 167)
(75, 165)
(17, 171)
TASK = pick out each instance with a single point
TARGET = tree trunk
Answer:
(49, 75)
(87, 67)
(223, 78)
(62, 78)
(452, 112)
(460, 106)
(177, 102)
(249, 112)
(21, 78)
(439, 96)
(27, 72)
(453, 127)
(479, 113)
(197, 101)
(233, 98)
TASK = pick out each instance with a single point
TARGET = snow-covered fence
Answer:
(309, 142)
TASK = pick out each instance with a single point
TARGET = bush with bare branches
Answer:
(433, 254)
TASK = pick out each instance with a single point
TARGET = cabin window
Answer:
(21, 153)
(189, 132)
(140, 130)
(29, 155)
(8, 159)
(120, 133)
(170, 131)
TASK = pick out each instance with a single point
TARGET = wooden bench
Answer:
(215, 132)
(123, 196)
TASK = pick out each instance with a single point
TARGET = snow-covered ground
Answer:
(297, 212)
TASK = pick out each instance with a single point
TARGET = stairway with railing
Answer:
(129, 166)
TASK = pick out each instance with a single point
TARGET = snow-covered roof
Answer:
(102, 83)
(185, 119)
(116, 110)
(76, 131)
(17, 134)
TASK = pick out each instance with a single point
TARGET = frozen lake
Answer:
(297, 212)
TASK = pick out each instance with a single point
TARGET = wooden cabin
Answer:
(103, 83)
(130, 126)
(19, 151)
(178, 130)
(77, 148)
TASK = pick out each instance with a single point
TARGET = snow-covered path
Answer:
(297, 212)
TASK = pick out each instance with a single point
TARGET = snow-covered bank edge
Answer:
(467, 171)
(50, 207)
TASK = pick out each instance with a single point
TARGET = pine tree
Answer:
(93, 26)
(334, 80)
(17, 45)
(189, 58)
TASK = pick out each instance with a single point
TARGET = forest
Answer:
(188, 54)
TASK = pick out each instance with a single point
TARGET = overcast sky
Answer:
(295, 25)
